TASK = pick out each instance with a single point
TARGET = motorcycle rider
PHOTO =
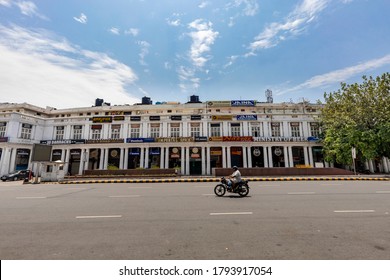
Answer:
(235, 178)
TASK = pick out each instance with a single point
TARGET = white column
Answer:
(371, 165)
(66, 160)
(105, 162)
(146, 158)
(12, 159)
(265, 156)
(311, 160)
(183, 160)
(126, 159)
(203, 155)
(290, 157)
(245, 156)
(250, 157)
(228, 157)
(224, 157)
(101, 163)
(385, 165)
(286, 161)
(86, 159)
(305, 155)
(187, 161)
(5, 161)
(166, 158)
(121, 157)
(142, 158)
(270, 161)
(208, 161)
(82, 161)
(162, 158)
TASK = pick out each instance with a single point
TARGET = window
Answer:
(96, 131)
(175, 130)
(134, 131)
(195, 129)
(275, 129)
(235, 129)
(115, 131)
(154, 130)
(60, 130)
(256, 129)
(215, 130)
(295, 129)
(77, 131)
(3, 126)
(26, 131)
(314, 129)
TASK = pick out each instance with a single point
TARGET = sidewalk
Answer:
(206, 179)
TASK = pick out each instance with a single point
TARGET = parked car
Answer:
(16, 175)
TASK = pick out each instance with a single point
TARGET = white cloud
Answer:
(39, 68)
(175, 22)
(6, 3)
(296, 22)
(202, 38)
(249, 7)
(340, 75)
(28, 8)
(114, 30)
(82, 18)
(144, 51)
(132, 31)
(203, 4)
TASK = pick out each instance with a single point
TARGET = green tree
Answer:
(357, 115)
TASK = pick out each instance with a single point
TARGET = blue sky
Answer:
(68, 53)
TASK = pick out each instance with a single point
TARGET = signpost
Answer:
(353, 158)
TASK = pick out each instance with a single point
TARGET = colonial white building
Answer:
(193, 137)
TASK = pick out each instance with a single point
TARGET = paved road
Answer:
(278, 220)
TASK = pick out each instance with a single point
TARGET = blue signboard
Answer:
(247, 117)
(139, 140)
(246, 103)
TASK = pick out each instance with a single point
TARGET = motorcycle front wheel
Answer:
(244, 190)
(220, 190)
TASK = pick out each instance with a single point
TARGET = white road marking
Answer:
(97, 217)
(354, 211)
(232, 213)
(382, 191)
(118, 196)
(301, 193)
(31, 197)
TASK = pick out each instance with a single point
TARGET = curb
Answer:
(206, 180)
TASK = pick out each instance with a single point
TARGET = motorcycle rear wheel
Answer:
(244, 190)
(220, 190)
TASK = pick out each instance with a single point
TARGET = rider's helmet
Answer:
(235, 167)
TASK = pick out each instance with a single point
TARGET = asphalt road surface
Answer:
(186, 221)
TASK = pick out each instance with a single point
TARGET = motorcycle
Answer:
(241, 188)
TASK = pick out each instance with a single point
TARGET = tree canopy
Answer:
(357, 115)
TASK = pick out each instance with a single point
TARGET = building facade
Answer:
(193, 137)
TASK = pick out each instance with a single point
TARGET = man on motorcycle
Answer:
(235, 177)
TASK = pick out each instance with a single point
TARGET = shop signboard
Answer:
(237, 138)
(200, 138)
(139, 140)
(243, 103)
(176, 118)
(63, 142)
(102, 119)
(104, 141)
(174, 139)
(221, 117)
(247, 117)
(135, 118)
